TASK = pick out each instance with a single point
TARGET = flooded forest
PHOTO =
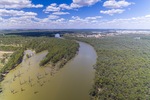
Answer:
(44, 67)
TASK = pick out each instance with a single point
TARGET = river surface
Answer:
(28, 81)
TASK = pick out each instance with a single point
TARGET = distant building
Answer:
(57, 36)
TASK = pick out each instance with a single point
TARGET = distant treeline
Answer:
(39, 33)
(122, 69)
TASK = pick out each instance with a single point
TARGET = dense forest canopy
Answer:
(123, 67)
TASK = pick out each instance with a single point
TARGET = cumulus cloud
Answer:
(13, 17)
(147, 16)
(74, 5)
(74, 22)
(86, 19)
(60, 13)
(53, 17)
(52, 8)
(142, 22)
(116, 4)
(65, 6)
(4, 12)
(60, 20)
(112, 11)
(129, 23)
(18, 4)
(56, 8)
(85, 2)
(93, 18)
(76, 17)
(19, 22)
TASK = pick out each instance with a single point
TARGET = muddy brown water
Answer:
(28, 81)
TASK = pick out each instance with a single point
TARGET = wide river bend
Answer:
(28, 81)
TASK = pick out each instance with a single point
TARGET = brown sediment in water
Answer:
(32, 82)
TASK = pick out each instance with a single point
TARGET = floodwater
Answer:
(28, 81)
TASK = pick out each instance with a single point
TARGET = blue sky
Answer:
(74, 14)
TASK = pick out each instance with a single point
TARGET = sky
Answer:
(74, 14)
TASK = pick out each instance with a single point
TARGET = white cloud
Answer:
(147, 16)
(4, 12)
(53, 17)
(19, 22)
(85, 2)
(60, 20)
(93, 18)
(17, 4)
(87, 22)
(60, 13)
(65, 6)
(77, 19)
(1, 19)
(57, 8)
(142, 22)
(52, 8)
(22, 19)
(116, 4)
(112, 11)
(74, 5)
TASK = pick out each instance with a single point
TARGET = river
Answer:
(28, 81)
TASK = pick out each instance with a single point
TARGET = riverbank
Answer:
(4, 56)
(59, 52)
(72, 82)
(122, 68)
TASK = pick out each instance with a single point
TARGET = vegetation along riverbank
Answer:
(60, 51)
(123, 67)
